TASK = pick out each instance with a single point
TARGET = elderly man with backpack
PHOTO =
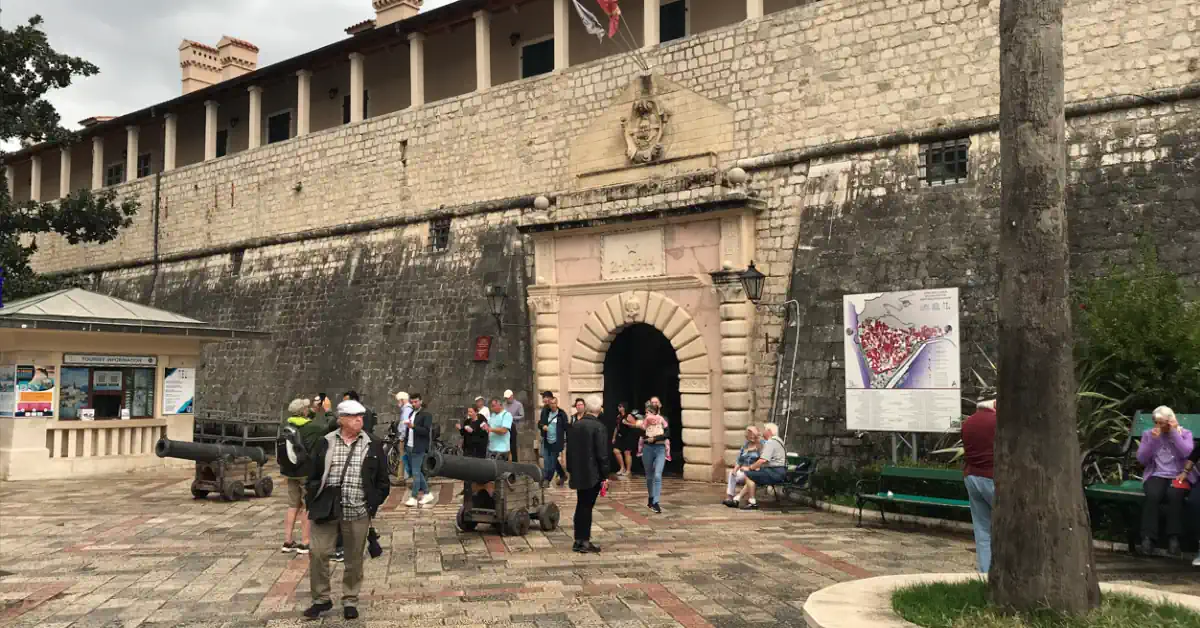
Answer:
(297, 438)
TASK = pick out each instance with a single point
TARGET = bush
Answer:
(1140, 333)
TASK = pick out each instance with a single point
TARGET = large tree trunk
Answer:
(1042, 538)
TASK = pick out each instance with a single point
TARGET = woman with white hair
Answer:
(749, 454)
(1163, 452)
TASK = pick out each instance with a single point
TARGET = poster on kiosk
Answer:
(35, 390)
(8, 390)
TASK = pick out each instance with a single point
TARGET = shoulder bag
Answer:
(327, 505)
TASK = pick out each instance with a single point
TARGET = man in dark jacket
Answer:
(553, 428)
(587, 462)
(350, 461)
(419, 435)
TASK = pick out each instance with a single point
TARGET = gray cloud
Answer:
(135, 42)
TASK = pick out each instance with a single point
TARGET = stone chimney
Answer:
(392, 11)
(199, 65)
(237, 57)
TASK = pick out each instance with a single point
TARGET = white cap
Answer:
(351, 407)
(507, 394)
(480, 399)
(402, 396)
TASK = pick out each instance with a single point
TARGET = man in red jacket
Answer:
(979, 438)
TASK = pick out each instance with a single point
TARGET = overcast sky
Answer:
(136, 42)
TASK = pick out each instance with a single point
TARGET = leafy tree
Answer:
(29, 69)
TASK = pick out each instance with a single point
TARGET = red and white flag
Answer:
(614, 15)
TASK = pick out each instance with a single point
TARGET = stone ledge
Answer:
(867, 603)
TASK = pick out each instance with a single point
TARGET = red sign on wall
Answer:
(483, 347)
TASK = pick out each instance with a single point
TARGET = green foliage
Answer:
(29, 69)
(965, 605)
(1140, 334)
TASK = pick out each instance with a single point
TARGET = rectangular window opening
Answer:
(114, 174)
(439, 234)
(279, 127)
(346, 106)
(143, 165)
(944, 163)
(537, 57)
(672, 21)
(222, 142)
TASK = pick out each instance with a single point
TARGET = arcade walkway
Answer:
(136, 550)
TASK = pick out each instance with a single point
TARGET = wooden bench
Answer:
(1128, 494)
(892, 476)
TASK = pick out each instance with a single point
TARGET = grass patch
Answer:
(965, 605)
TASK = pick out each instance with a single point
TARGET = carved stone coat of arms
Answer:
(644, 131)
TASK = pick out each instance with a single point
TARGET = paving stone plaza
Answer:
(136, 550)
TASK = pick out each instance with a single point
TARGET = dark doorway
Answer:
(641, 364)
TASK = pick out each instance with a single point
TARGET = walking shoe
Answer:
(339, 556)
(1173, 546)
(301, 548)
(656, 508)
(288, 547)
(730, 502)
(412, 501)
(316, 609)
(585, 547)
(750, 506)
(1147, 546)
(427, 499)
(350, 612)
(1196, 561)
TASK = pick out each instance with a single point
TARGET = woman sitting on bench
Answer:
(770, 468)
(1164, 453)
(746, 457)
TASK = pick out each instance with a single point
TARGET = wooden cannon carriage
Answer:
(517, 501)
(227, 470)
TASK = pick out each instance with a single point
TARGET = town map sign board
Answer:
(902, 361)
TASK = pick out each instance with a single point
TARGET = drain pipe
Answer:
(792, 369)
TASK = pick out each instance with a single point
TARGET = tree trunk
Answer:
(1042, 549)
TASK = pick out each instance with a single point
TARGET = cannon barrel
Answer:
(205, 452)
(477, 470)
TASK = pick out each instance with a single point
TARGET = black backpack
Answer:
(289, 438)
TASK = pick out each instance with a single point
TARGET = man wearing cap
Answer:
(348, 460)
(481, 408)
(515, 409)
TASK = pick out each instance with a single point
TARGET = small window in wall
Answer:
(944, 163)
(106, 391)
(114, 174)
(537, 57)
(439, 234)
(279, 127)
(672, 20)
(222, 142)
(143, 166)
(346, 106)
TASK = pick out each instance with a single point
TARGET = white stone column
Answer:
(64, 172)
(35, 178)
(254, 126)
(170, 140)
(210, 129)
(416, 69)
(131, 152)
(303, 101)
(650, 20)
(97, 163)
(356, 87)
(483, 50)
(736, 315)
(754, 9)
(562, 35)
(9, 174)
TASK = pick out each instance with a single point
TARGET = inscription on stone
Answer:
(633, 254)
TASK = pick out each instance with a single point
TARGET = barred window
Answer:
(439, 234)
(944, 163)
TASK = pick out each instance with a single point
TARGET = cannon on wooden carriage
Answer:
(517, 501)
(227, 470)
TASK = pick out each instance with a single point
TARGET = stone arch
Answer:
(619, 311)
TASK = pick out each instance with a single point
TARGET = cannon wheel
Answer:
(231, 490)
(461, 520)
(264, 487)
(548, 517)
(197, 492)
(517, 523)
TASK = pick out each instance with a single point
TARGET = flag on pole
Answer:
(614, 15)
(590, 23)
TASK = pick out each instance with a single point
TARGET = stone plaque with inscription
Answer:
(633, 254)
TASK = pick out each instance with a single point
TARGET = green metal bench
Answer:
(892, 475)
(1129, 494)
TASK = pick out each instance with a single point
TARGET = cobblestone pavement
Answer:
(137, 550)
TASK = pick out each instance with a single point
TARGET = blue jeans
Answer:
(406, 462)
(982, 493)
(550, 464)
(653, 459)
(419, 484)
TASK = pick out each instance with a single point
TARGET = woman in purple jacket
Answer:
(1164, 453)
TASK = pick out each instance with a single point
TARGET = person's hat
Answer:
(507, 394)
(480, 399)
(547, 393)
(351, 408)
(987, 393)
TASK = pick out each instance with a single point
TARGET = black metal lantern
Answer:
(753, 282)
(496, 296)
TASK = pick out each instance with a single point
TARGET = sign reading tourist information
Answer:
(483, 348)
(902, 361)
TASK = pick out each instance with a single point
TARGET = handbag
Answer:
(327, 505)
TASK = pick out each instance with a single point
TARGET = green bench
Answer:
(884, 492)
(1128, 495)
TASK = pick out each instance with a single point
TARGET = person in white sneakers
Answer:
(419, 435)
